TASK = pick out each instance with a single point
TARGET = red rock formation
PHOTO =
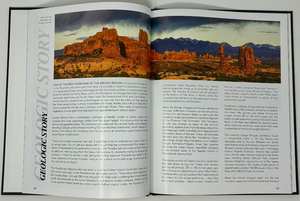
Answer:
(205, 56)
(221, 50)
(143, 39)
(200, 56)
(186, 55)
(144, 49)
(131, 45)
(225, 67)
(166, 55)
(211, 57)
(61, 71)
(229, 58)
(246, 60)
(106, 42)
(174, 56)
(182, 55)
(154, 55)
(194, 55)
(257, 61)
(250, 59)
(241, 56)
(135, 58)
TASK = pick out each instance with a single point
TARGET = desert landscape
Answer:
(105, 55)
(213, 49)
(185, 65)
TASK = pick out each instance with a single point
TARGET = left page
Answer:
(87, 101)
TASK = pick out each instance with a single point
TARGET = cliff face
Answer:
(107, 40)
(144, 49)
(108, 44)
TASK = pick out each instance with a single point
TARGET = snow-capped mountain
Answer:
(225, 44)
(194, 41)
(268, 46)
(249, 44)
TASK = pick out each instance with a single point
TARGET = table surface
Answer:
(289, 5)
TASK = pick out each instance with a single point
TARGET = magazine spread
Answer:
(122, 101)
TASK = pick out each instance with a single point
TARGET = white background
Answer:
(293, 5)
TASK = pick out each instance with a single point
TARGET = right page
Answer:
(221, 108)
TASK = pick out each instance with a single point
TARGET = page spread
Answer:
(122, 102)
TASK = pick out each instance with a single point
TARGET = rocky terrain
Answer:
(265, 52)
(108, 55)
(105, 55)
(185, 65)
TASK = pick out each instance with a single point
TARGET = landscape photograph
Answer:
(215, 49)
(103, 43)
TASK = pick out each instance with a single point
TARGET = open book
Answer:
(113, 100)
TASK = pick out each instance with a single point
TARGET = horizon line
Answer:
(214, 42)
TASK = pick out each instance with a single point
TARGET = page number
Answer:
(34, 188)
(277, 188)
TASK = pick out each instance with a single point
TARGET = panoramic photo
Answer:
(105, 43)
(215, 49)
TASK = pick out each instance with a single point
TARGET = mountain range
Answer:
(263, 51)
